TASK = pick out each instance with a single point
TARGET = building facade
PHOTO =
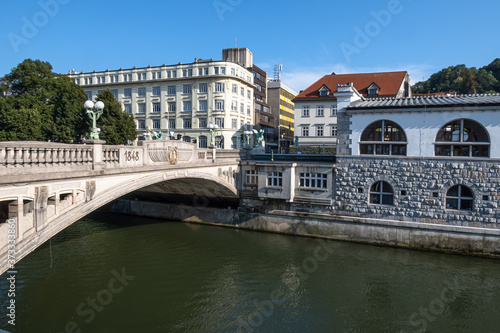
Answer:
(263, 118)
(317, 106)
(431, 159)
(182, 100)
(280, 97)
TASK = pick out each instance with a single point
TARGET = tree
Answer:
(462, 80)
(116, 126)
(54, 100)
(19, 125)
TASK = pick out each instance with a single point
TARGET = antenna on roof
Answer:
(277, 72)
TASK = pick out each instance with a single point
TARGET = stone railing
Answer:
(31, 158)
(16, 157)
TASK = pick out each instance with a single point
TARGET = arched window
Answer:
(381, 193)
(462, 137)
(459, 197)
(383, 137)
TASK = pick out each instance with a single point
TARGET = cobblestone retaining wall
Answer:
(420, 187)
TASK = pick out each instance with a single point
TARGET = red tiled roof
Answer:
(389, 83)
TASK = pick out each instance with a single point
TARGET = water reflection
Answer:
(195, 278)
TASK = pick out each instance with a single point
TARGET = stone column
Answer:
(97, 158)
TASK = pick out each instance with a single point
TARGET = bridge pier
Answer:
(40, 211)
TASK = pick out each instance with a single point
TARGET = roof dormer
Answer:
(324, 91)
(373, 89)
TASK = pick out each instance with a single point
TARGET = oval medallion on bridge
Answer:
(172, 155)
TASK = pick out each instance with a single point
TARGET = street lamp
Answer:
(94, 111)
(248, 134)
(213, 129)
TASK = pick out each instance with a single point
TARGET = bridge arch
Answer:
(99, 191)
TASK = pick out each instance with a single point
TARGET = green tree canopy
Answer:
(116, 126)
(41, 105)
(462, 80)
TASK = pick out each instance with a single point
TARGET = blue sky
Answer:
(310, 38)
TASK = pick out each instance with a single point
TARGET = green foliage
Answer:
(462, 80)
(313, 150)
(42, 105)
(116, 126)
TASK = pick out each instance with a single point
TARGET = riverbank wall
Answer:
(403, 234)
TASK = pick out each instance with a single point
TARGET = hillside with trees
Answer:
(37, 104)
(462, 80)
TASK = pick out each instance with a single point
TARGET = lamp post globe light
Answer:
(213, 129)
(248, 134)
(94, 111)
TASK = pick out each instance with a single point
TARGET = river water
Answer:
(114, 273)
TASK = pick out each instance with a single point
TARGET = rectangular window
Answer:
(203, 123)
(313, 180)
(171, 90)
(128, 108)
(305, 130)
(275, 178)
(234, 88)
(127, 93)
(156, 91)
(219, 104)
(234, 106)
(249, 94)
(187, 72)
(242, 91)
(171, 123)
(186, 106)
(248, 109)
(156, 123)
(251, 177)
(234, 123)
(144, 76)
(319, 130)
(156, 107)
(112, 79)
(187, 123)
(233, 71)
(200, 71)
(203, 106)
(219, 122)
(305, 111)
(141, 92)
(171, 106)
(334, 130)
(115, 93)
(333, 112)
(186, 89)
(141, 124)
(242, 108)
(320, 111)
(89, 95)
(141, 108)
(203, 88)
(219, 87)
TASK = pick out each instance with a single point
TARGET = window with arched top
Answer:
(459, 197)
(383, 137)
(462, 137)
(381, 193)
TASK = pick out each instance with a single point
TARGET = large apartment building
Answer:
(182, 100)
(263, 118)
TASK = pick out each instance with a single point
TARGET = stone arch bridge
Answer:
(45, 187)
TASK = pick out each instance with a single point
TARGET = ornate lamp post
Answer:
(94, 111)
(213, 129)
(248, 134)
